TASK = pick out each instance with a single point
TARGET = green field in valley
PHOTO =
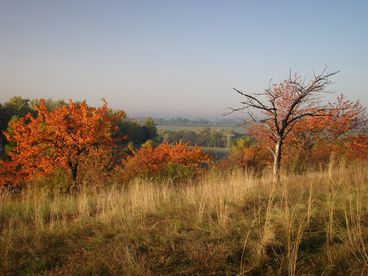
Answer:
(239, 130)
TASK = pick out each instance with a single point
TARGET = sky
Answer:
(177, 58)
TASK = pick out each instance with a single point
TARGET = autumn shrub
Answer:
(299, 156)
(246, 154)
(174, 162)
(350, 149)
(355, 147)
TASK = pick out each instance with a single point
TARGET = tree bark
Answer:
(74, 173)
(73, 169)
(277, 159)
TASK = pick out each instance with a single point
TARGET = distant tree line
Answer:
(15, 107)
(137, 132)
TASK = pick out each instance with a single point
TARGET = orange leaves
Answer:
(151, 160)
(58, 138)
(345, 116)
(156, 157)
(256, 156)
(354, 147)
(8, 174)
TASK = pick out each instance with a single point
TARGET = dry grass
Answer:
(233, 223)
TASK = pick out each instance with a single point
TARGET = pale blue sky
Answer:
(176, 58)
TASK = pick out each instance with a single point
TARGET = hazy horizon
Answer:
(176, 58)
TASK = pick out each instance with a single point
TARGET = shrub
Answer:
(175, 162)
(255, 157)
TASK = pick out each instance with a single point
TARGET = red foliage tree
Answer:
(340, 128)
(57, 139)
(284, 105)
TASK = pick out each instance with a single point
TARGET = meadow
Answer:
(232, 223)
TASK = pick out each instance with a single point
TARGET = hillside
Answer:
(234, 223)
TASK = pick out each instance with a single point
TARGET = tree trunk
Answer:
(277, 159)
(74, 170)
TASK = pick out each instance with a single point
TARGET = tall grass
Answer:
(226, 223)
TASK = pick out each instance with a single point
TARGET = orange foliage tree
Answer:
(57, 139)
(153, 161)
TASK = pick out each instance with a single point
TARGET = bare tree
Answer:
(285, 104)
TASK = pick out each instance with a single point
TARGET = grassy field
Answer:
(233, 223)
